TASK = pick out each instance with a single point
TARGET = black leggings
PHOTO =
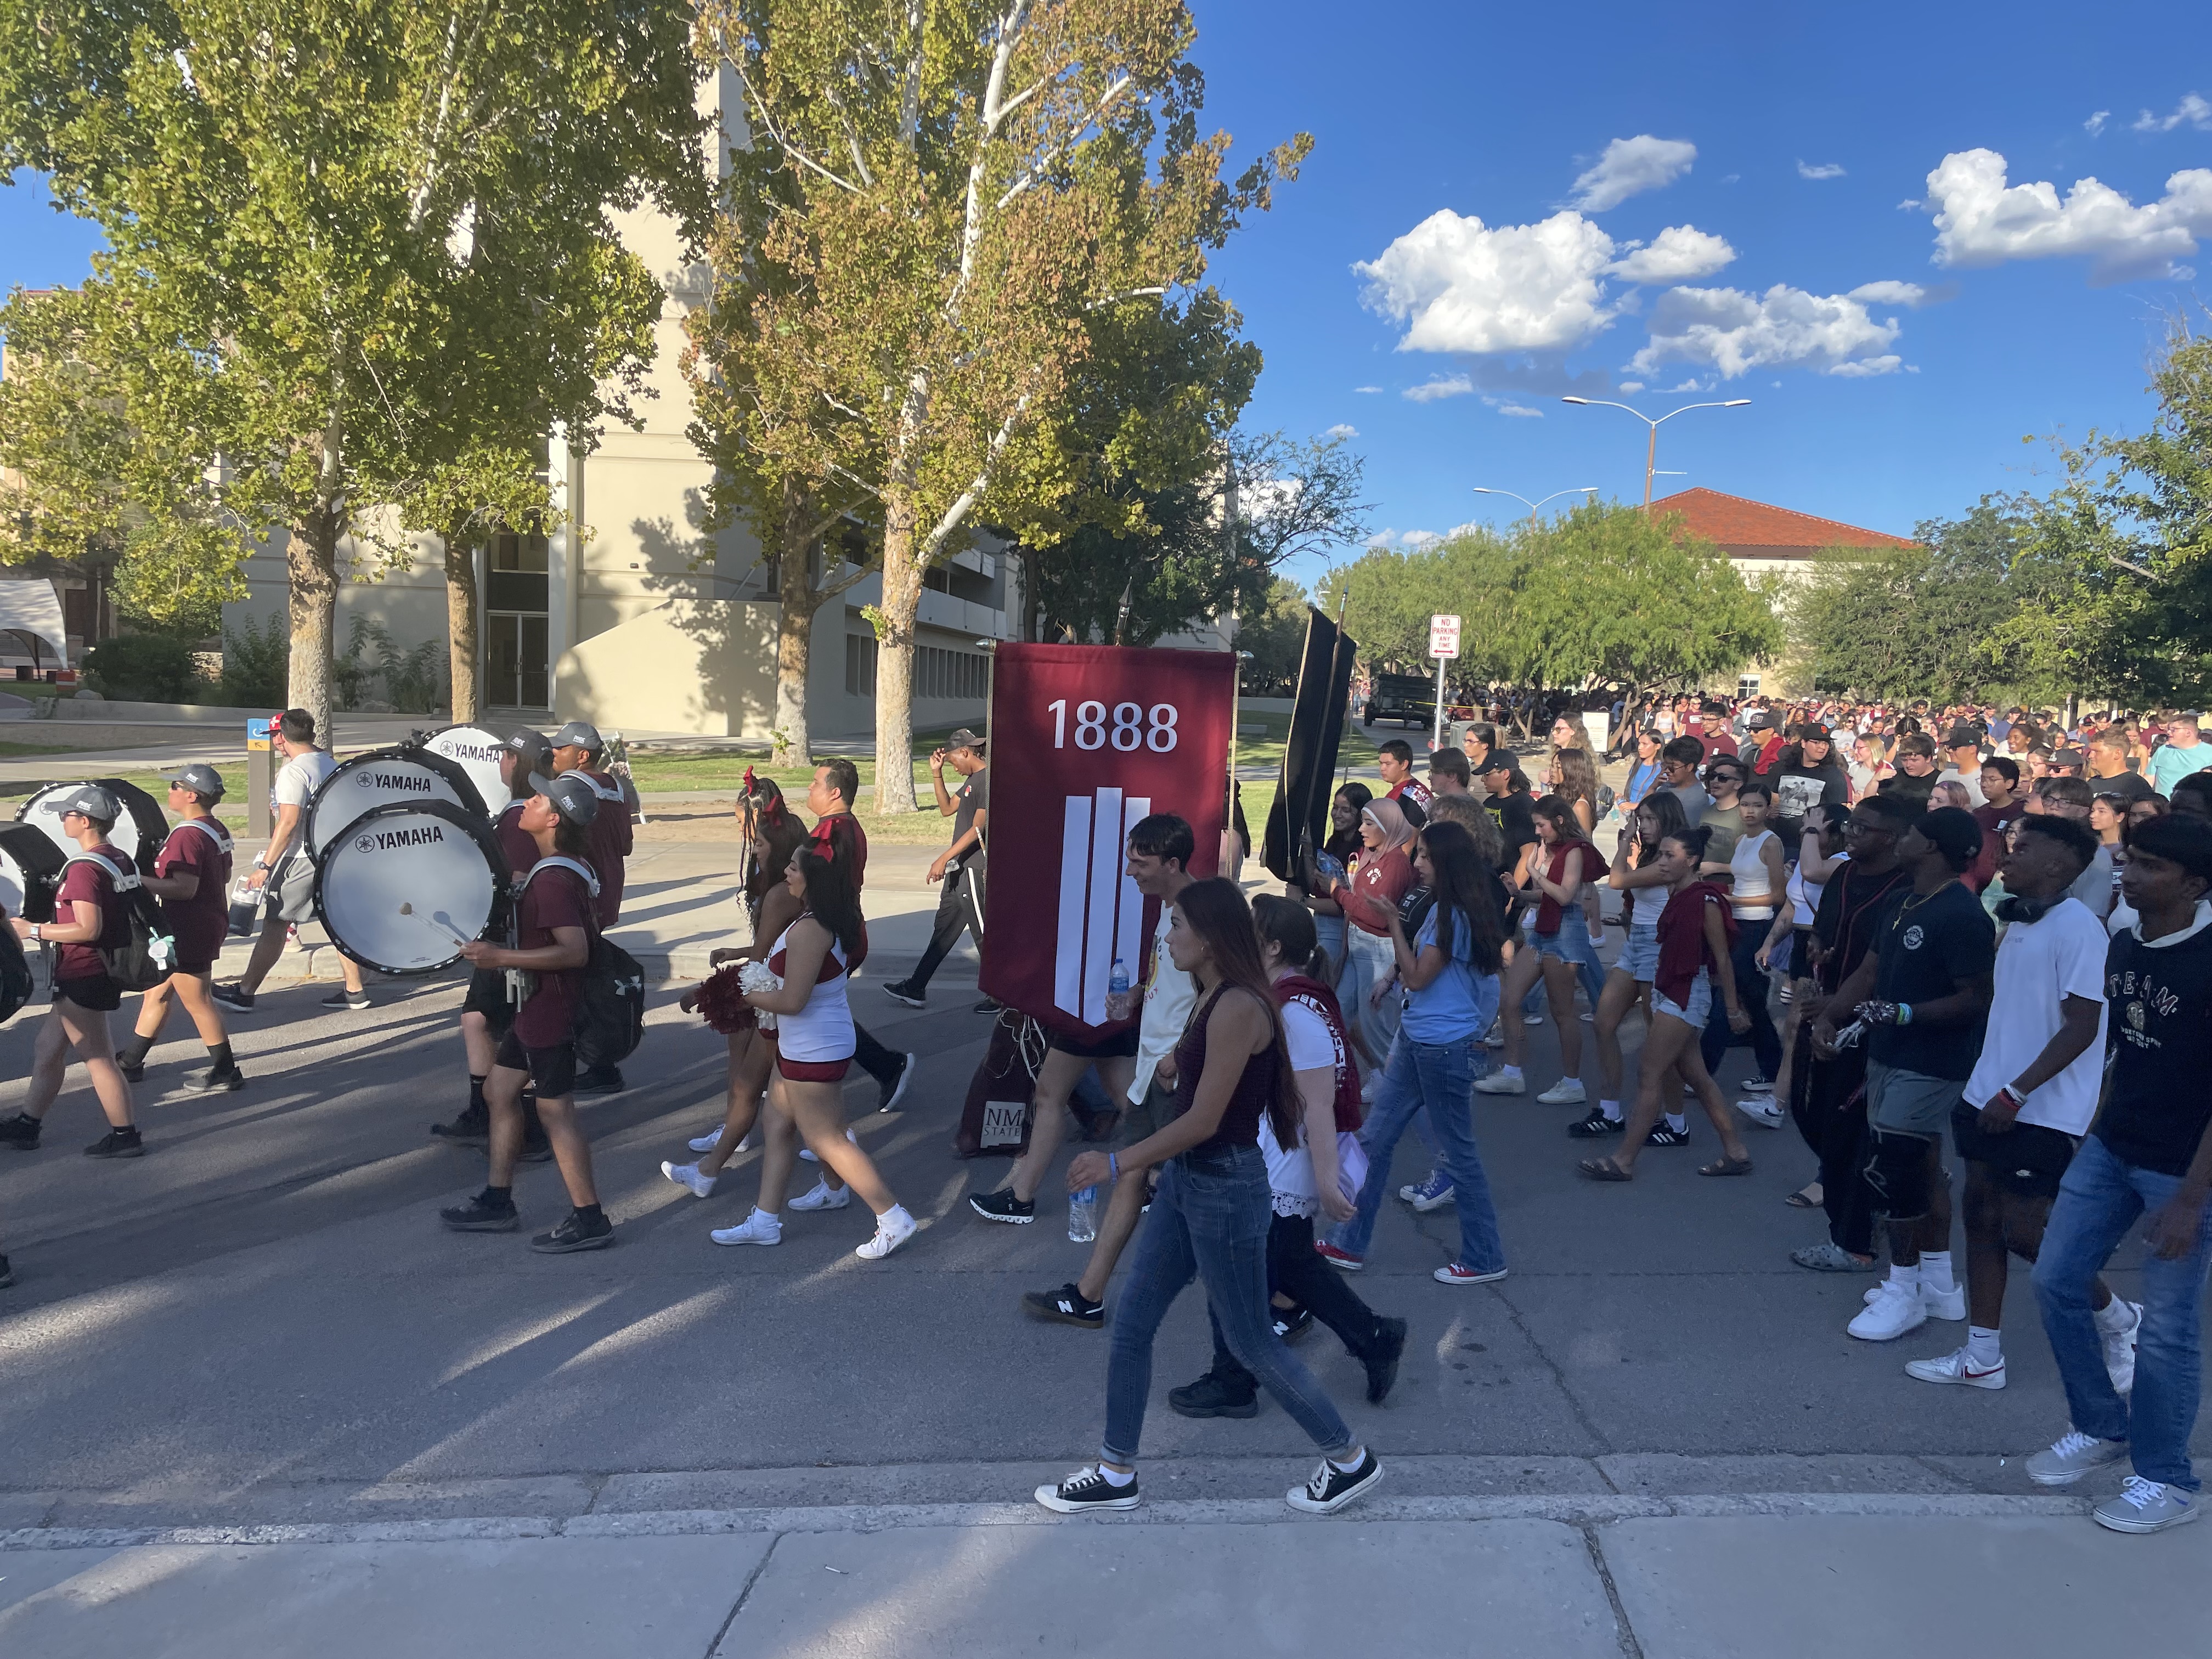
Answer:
(1298, 1272)
(1827, 1102)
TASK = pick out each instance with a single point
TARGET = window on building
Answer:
(1747, 685)
(517, 591)
(860, 665)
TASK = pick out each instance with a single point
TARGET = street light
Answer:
(1533, 506)
(1651, 452)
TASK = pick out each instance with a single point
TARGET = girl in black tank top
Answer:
(1258, 1085)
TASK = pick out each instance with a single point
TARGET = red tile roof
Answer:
(1754, 528)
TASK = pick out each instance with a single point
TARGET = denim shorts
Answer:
(1639, 956)
(1700, 1008)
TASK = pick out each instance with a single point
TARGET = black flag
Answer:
(1298, 821)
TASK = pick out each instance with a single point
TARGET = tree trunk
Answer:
(794, 629)
(461, 622)
(895, 658)
(311, 565)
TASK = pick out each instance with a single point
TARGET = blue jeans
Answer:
(2098, 1200)
(1439, 1076)
(1573, 946)
(1209, 1219)
(1378, 961)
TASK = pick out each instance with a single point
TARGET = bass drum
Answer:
(477, 752)
(407, 774)
(403, 885)
(139, 830)
(30, 872)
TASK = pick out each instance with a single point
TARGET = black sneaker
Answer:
(1332, 1488)
(912, 995)
(1067, 1305)
(133, 1069)
(1381, 1365)
(1664, 1134)
(575, 1234)
(230, 997)
(601, 1080)
(21, 1131)
(1087, 1490)
(1297, 1325)
(1213, 1395)
(118, 1143)
(1597, 1123)
(219, 1079)
(471, 1128)
(988, 1005)
(343, 998)
(1003, 1205)
(894, 1089)
(482, 1215)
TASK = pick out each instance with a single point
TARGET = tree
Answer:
(1275, 632)
(978, 181)
(382, 232)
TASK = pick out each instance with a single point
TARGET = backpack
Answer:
(610, 1010)
(146, 955)
(995, 1120)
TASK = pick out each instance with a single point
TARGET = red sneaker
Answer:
(1336, 1258)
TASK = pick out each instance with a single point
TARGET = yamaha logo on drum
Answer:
(383, 840)
(415, 782)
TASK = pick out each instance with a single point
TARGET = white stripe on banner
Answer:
(1128, 941)
(1074, 890)
(1105, 873)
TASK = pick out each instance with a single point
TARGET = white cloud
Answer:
(1981, 222)
(2095, 123)
(1910, 204)
(1506, 406)
(1365, 389)
(1632, 385)
(1342, 430)
(1459, 285)
(1824, 170)
(1408, 541)
(1785, 327)
(1630, 167)
(1911, 295)
(1676, 254)
(1455, 386)
(2191, 111)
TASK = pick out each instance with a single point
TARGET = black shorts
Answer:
(552, 1071)
(191, 969)
(96, 992)
(1123, 1047)
(1801, 953)
(486, 995)
(2029, 1158)
(1899, 1185)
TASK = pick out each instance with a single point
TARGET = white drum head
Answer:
(477, 752)
(28, 862)
(381, 778)
(401, 886)
(139, 830)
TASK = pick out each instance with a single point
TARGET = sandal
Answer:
(1805, 1198)
(1726, 1166)
(1603, 1169)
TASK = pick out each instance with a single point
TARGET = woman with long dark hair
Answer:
(1565, 862)
(1209, 1216)
(1449, 971)
(1342, 847)
(1635, 875)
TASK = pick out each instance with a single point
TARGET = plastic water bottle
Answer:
(1117, 992)
(1083, 1216)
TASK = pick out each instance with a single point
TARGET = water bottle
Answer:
(1117, 992)
(1083, 1216)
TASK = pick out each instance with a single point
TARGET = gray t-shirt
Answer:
(300, 776)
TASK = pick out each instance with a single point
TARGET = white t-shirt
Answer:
(1290, 1174)
(2094, 886)
(2038, 964)
(1972, 780)
(1167, 997)
(300, 776)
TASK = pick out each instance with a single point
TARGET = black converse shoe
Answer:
(1003, 1205)
(1087, 1490)
(1215, 1395)
(117, 1143)
(575, 1234)
(1332, 1488)
(1067, 1305)
(21, 1132)
(482, 1215)
(1382, 1363)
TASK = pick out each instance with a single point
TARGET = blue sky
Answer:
(1892, 375)
(2029, 319)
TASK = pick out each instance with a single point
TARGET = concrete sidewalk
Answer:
(1591, 1579)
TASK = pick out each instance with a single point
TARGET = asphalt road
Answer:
(263, 1318)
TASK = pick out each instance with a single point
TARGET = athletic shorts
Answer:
(813, 1071)
(487, 996)
(1139, 1122)
(2029, 1158)
(1639, 955)
(96, 991)
(1699, 1008)
(184, 970)
(1910, 1102)
(1120, 1047)
(552, 1071)
(1899, 1183)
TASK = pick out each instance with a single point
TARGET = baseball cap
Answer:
(1954, 831)
(1759, 721)
(1958, 737)
(964, 739)
(202, 780)
(573, 796)
(91, 800)
(1498, 760)
(535, 748)
(579, 734)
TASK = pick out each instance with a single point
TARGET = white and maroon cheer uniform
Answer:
(815, 1044)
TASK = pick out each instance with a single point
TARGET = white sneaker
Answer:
(1890, 1315)
(1500, 1083)
(822, 1197)
(1367, 1088)
(687, 1176)
(807, 1153)
(758, 1228)
(1956, 1368)
(1940, 1305)
(893, 1228)
(1495, 1037)
(1567, 1092)
(705, 1143)
(1761, 1111)
(2120, 1351)
(1759, 1086)
(1532, 1019)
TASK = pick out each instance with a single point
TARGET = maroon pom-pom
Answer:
(722, 1003)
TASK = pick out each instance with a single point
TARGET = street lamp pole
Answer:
(1534, 506)
(1651, 449)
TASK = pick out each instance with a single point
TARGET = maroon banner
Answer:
(1085, 740)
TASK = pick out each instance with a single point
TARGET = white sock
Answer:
(1115, 1477)
(1677, 1123)
(1510, 1071)
(1983, 1349)
(1343, 1468)
(775, 1216)
(2115, 1316)
(1611, 1109)
(1935, 1270)
(1907, 1279)
(896, 1213)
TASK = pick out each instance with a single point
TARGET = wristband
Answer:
(1113, 1166)
(1905, 1013)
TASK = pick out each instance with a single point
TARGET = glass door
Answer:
(515, 633)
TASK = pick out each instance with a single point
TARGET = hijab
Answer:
(1396, 832)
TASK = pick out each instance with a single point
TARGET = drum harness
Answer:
(521, 982)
